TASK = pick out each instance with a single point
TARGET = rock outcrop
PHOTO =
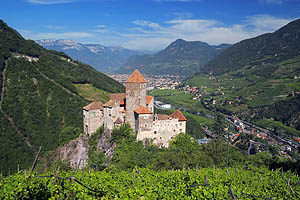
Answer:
(105, 146)
(76, 152)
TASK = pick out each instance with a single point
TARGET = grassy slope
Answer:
(251, 82)
(91, 93)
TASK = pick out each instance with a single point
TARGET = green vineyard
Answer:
(206, 183)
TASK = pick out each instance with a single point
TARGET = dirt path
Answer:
(57, 84)
(1, 101)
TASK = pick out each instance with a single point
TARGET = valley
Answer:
(158, 99)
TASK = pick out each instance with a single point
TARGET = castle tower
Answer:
(135, 95)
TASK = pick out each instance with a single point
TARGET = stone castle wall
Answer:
(135, 96)
(92, 120)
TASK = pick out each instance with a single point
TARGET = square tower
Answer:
(135, 95)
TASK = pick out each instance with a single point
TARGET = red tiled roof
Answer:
(94, 106)
(110, 103)
(118, 97)
(148, 99)
(142, 110)
(177, 114)
(119, 121)
(162, 117)
(136, 77)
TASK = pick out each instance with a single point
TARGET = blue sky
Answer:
(147, 24)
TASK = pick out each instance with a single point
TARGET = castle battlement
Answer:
(137, 109)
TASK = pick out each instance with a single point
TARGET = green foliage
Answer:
(41, 106)
(218, 127)
(97, 158)
(122, 133)
(143, 183)
(184, 151)
(67, 134)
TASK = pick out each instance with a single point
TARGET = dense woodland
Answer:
(40, 105)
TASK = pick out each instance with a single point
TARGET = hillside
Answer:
(264, 50)
(258, 79)
(40, 104)
(102, 58)
(180, 57)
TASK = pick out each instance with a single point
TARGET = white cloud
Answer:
(49, 2)
(66, 35)
(210, 31)
(101, 30)
(149, 35)
(146, 23)
(53, 27)
(266, 23)
(176, 0)
(278, 2)
(101, 26)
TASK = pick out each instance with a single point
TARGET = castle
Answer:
(137, 109)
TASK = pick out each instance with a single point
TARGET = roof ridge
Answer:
(177, 114)
(136, 77)
(142, 110)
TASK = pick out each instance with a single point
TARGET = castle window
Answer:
(180, 130)
(146, 117)
(174, 130)
(180, 124)
(155, 132)
(160, 138)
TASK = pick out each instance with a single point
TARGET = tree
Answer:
(218, 127)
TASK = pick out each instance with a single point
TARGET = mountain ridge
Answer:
(180, 57)
(102, 58)
(280, 45)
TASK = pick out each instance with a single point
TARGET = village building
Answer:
(137, 109)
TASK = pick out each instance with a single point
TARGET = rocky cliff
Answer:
(76, 151)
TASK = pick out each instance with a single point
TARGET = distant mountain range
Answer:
(102, 58)
(180, 57)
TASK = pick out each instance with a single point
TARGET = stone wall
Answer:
(111, 114)
(92, 120)
(135, 96)
(160, 131)
(150, 106)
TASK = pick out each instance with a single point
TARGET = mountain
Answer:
(258, 79)
(40, 104)
(101, 57)
(180, 57)
(265, 49)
